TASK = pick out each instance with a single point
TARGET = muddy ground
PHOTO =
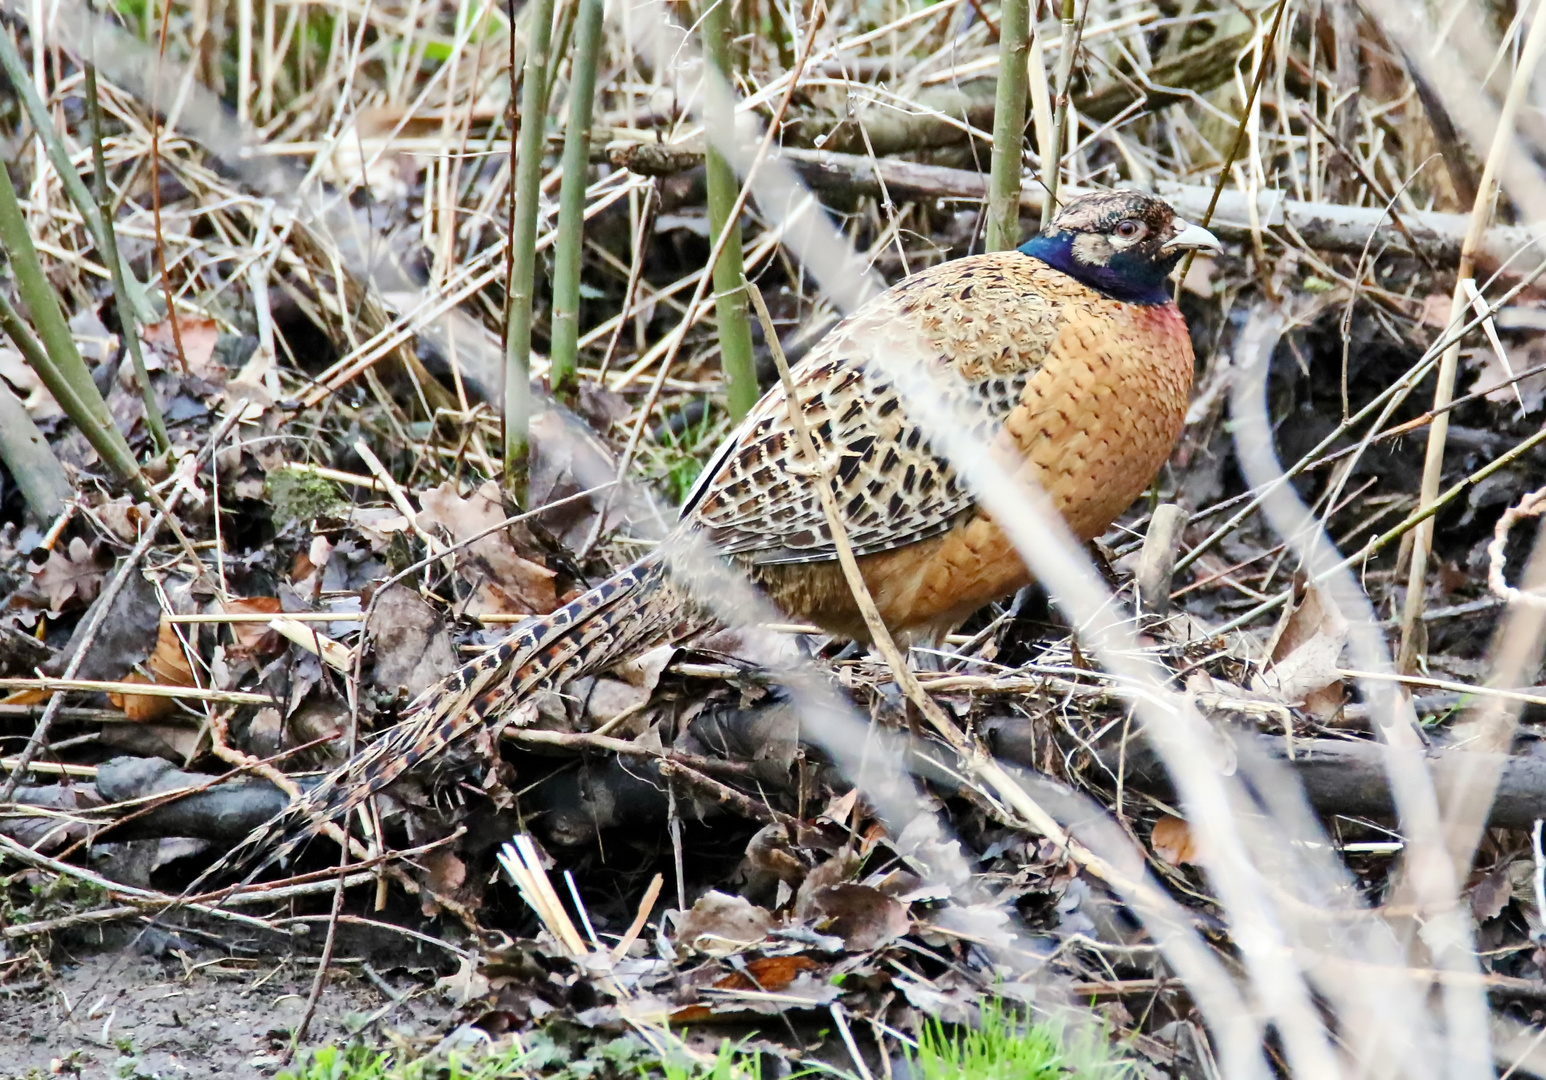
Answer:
(109, 1010)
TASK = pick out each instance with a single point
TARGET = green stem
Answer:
(57, 362)
(565, 20)
(523, 251)
(116, 454)
(59, 156)
(26, 453)
(1003, 225)
(564, 354)
(735, 338)
(1052, 171)
(126, 314)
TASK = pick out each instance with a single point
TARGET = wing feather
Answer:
(981, 325)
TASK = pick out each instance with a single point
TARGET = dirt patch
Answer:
(114, 1013)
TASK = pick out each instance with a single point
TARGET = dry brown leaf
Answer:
(198, 341)
(378, 525)
(413, 650)
(864, 917)
(123, 518)
(466, 984)
(720, 924)
(1172, 842)
(769, 852)
(608, 699)
(174, 742)
(503, 582)
(167, 666)
(75, 574)
(254, 637)
(445, 874)
(1305, 652)
(839, 809)
(767, 974)
(1491, 894)
(1435, 310)
(644, 670)
(1491, 371)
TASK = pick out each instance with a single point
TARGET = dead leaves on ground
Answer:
(502, 582)
(1305, 654)
(167, 666)
(730, 957)
(73, 575)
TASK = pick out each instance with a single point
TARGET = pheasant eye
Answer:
(1130, 229)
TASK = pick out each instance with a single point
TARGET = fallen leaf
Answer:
(265, 733)
(1435, 310)
(166, 666)
(840, 807)
(1491, 894)
(413, 650)
(1304, 653)
(1531, 390)
(124, 637)
(334, 654)
(444, 874)
(608, 699)
(766, 974)
(39, 402)
(254, 637)
(378, 525)
(503, 582)
(987, 923)
(1172, 842)
(74, 574)
(466, 983)
(865, 918)
(567, 458)
(174, 742)
(720, 924)
(198, 345)
(770, 852)
(123, 518)
(644, 670)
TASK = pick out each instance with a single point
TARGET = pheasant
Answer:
(1070, 354)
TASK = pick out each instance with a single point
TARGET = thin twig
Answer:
(1412, 643)
(126, 311)
(1238, 143)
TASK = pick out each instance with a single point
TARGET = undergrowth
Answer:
(1001, 1047)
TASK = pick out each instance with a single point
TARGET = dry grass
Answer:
(334, 187)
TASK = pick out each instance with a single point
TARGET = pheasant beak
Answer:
(1191, 238)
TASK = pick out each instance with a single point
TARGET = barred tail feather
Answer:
(631, 611)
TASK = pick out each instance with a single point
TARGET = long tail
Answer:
(628, 613)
